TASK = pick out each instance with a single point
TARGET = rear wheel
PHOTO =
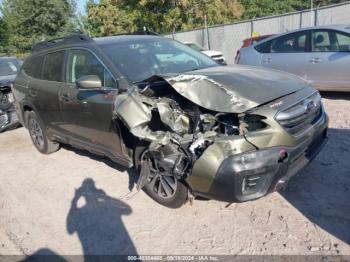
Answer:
(38, 135)
(161, 186)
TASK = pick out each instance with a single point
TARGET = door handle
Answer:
(64, 98)
(267, 60)
(315, 60)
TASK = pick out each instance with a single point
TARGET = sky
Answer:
(81, 6)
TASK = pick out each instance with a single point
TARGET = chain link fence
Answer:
(228, 38)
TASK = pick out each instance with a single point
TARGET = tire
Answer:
(180, 192)
(38, 135)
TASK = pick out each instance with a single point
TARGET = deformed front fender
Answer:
(135, 112)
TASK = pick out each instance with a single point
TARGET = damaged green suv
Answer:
(190, 127)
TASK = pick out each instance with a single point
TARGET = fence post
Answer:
(301, 20)
(316, 18)
(251, 27)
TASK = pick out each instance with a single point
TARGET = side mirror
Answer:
(89, 82)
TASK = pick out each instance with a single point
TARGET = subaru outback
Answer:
(189, 126)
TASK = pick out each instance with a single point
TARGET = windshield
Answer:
(9, 67)
(142, 58)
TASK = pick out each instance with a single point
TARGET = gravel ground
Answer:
(72, 202)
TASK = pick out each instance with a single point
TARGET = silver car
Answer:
(321, 55)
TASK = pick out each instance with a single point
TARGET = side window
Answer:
(82, 63)
(342, 42)
(291, 43)
(264, 47)
(33, 66)
(321, 41)
(53, 66)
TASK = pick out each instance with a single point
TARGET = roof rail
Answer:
(143, 32)
(139, 32)
(71, 39)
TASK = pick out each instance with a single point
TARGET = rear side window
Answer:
(291, 43)
(53, 66)
(33, 66)
(330, 41)
(342, 42)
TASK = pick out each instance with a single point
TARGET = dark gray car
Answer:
(9, 66)
(320, 55)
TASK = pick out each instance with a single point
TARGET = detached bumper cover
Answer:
(254, 174)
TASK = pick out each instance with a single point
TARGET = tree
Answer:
(260, 8)
(3, 36)
(31, 21)
(114, 16)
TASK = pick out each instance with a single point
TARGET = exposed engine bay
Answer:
(177, 129)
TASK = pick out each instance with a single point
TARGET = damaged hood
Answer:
(234, 89)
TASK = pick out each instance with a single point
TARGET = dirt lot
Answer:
(71, 202)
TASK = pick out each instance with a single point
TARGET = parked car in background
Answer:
(216, 55)
(248, 42)
(9, 66)
(321, 55)
(190, 126)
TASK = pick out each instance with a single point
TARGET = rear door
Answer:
(288, 53)
(328, 63)
(44, 86)
(87, 114)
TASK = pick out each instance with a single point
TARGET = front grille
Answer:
(300, 117)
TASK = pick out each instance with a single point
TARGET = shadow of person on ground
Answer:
(132, 173)
(44, 255)
(97, 220)
(322, 191)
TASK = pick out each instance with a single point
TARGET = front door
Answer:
(88, 114)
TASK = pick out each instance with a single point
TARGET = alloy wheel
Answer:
(36, 133)
(161, 182)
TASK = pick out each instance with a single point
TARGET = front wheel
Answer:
(38, 135)
(162, 186)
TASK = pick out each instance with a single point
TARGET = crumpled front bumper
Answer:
(254, 173)
(8, 119)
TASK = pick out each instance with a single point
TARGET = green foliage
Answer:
(260, 8)
(3, 36)
(31, 21)
(114, 16)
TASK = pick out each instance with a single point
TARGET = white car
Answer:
(216, 55)
(320, 55)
